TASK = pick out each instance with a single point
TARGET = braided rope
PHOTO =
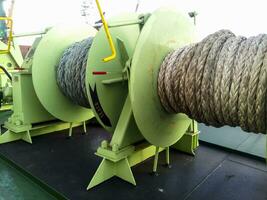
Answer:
(71, 72)
(219, 81)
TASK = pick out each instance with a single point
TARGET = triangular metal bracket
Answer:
(27, 137)
(107, 169)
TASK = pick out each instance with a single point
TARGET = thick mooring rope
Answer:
(71, 72)
(219, 81)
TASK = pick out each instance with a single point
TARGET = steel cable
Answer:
(221, 80)
(71, 70)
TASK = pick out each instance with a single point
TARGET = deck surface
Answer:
(68, 164)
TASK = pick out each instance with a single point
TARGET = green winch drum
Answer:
(164, 31)
(45, 60)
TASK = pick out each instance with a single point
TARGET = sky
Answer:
(245, 17)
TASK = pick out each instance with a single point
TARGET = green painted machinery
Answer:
(8, 63)
(123, 92)
(39, 106)
(9, 59)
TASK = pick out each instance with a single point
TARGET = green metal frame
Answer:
(11, 135)
(9, 61)
(29, 117)
(6, 107)
(118, 163)
(121, 153)
(190, 140)
(116, 153)
(12, 59)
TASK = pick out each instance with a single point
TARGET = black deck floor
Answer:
(67, 165)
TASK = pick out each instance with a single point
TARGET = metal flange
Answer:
(164, 31)
(45, 60)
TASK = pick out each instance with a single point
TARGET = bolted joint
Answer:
(104, 144)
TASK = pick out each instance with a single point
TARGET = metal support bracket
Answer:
(26, 135)
(189, 142)
(9, 136)
(107, 169)
(114, 163)
(119, 162)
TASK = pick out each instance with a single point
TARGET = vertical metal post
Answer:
(168, 156)
(137, 5)
(193, 124)
(193, 15)
(84, 127)
(70, 130)
(156, 158)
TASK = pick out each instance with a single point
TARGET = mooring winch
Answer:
(142, 93)
(158, 75)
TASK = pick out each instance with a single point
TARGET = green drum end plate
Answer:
(45, 60)
(164, 31)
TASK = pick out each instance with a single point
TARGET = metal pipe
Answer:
(156, 158)
(168, 156)
(127, 23)
(123, 23)
(29, 34)
(6, 72)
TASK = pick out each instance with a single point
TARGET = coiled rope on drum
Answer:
(71, 72)
(221, 80)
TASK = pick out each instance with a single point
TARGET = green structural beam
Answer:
(10, 136)
(118, 163)
(189, 142)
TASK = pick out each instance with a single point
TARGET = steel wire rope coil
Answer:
(70, 74)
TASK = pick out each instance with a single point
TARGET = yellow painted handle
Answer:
(111, 44)
(10, 36)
